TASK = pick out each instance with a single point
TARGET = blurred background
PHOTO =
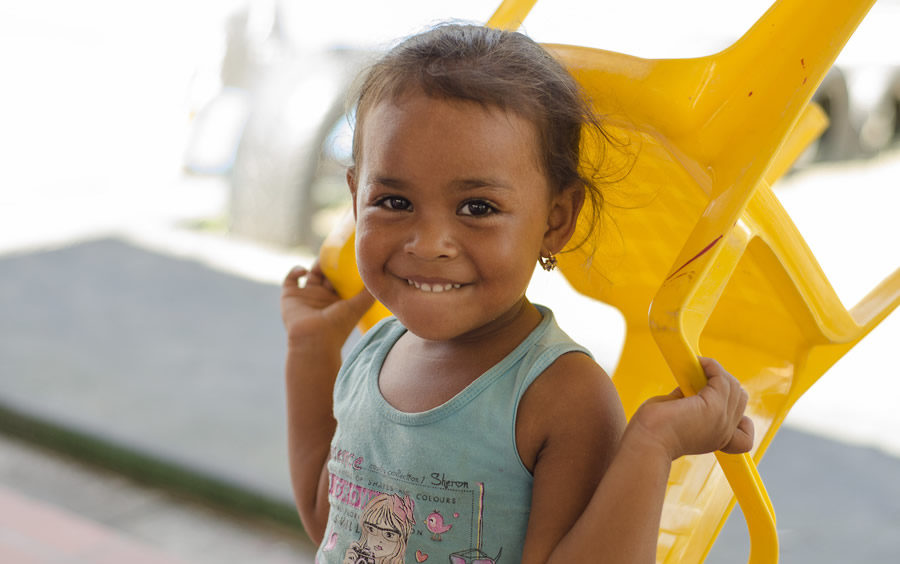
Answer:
(164, 164)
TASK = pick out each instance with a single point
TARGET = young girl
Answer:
(504, 435)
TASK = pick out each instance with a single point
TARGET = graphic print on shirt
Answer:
(386, 524)
(476, 555)
(389, 516)
(435, 524)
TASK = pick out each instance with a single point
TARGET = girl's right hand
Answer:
(312, 311)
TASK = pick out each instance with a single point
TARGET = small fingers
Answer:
(313, 276)
(711, 367)
(742, 398)
(742, 439)
(317, 277)
(722, 382)
(734, 400)
(292, 279)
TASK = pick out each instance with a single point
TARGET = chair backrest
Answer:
(694, 234)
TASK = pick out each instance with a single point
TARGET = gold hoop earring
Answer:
(547, 263)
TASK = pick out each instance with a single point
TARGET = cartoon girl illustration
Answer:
(386, 523)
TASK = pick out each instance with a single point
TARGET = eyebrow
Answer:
(477, 183)
(389, 181)
(463, 184)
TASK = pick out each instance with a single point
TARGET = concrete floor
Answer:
(87, 497)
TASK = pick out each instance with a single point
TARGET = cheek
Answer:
(372, 254)
(366, 248)
(508, 259)
(521, 244)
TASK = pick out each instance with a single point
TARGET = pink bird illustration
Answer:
(435, 524)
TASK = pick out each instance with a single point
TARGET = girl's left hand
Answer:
(711, 420)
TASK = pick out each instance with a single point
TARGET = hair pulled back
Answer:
(496, 68)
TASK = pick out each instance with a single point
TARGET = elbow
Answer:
(314, 532)
(313, 525)
(313, 512)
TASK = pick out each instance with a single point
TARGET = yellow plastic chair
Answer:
(694, 234)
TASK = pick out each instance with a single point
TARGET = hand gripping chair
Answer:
(694, 234)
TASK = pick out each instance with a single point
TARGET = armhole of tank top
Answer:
(544, 360)
(381, 328)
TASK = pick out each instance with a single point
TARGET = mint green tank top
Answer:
(444, 485)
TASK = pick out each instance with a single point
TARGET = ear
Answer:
(351, 183)
(565, 207)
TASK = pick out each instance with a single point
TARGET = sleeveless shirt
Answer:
(443, 485)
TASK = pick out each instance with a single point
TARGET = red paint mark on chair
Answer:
(695, 257)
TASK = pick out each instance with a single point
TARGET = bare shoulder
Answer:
(574, 400)
(568, 428)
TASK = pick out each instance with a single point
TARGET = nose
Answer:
(432, 238)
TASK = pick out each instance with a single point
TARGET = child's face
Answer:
(382, 540)
(452, 211)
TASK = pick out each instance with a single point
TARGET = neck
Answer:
(420, 374)
(490, 342)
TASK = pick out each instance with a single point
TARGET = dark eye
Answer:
(476, 208)
(395, 203)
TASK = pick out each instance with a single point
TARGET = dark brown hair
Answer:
(497, 68)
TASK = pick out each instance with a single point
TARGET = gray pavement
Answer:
(148, 392)
(161, 355)
(169, 372)
(186, 527)
(833, 503)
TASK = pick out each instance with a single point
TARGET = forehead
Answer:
(446, 132)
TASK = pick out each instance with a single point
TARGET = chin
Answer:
(430, 331)
(447, 326)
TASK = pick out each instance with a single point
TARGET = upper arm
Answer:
(567, 431)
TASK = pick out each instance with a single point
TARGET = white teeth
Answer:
(433, 288)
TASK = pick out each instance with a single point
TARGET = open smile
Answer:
(434, 287)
